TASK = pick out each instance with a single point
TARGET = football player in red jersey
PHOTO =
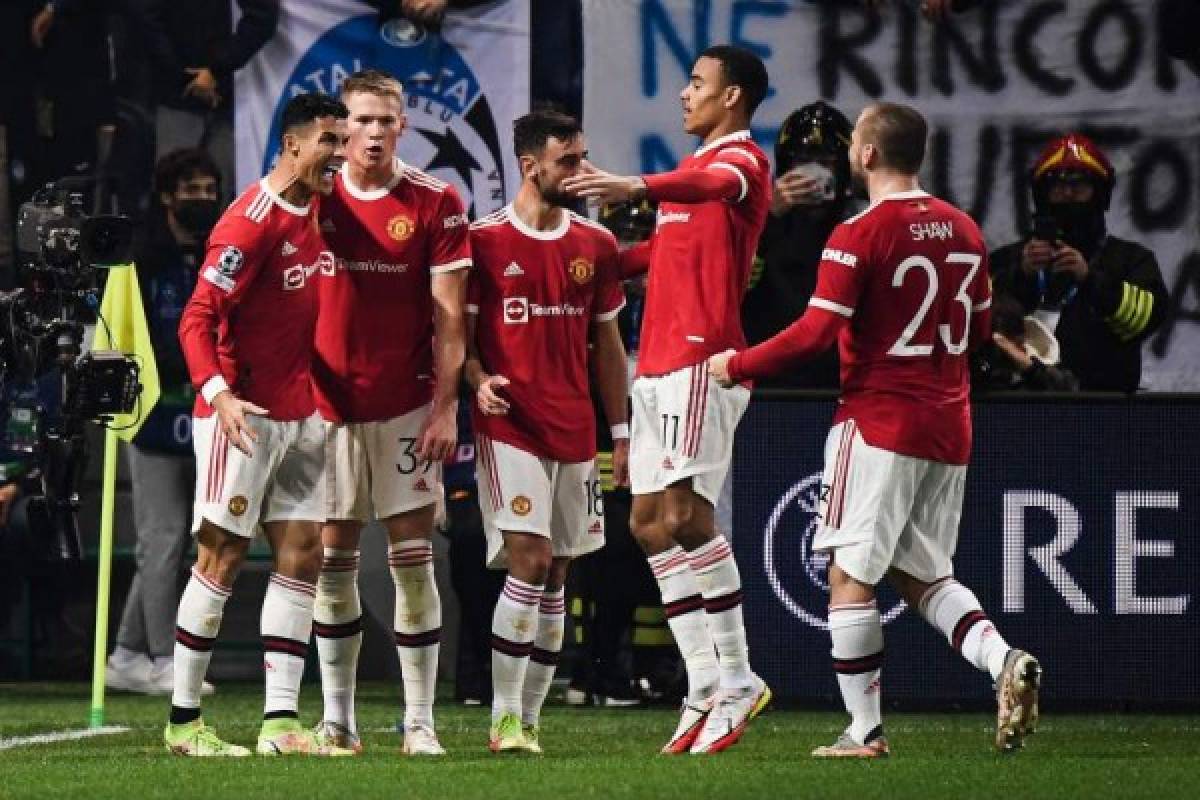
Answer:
(903, 287)
(389, 357)
(712, 210)
(544, 285)
(247, 336)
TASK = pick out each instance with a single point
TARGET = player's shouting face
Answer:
(375, 123)
(318, 150)
(558, 160)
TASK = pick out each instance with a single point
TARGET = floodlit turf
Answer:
(592, 753)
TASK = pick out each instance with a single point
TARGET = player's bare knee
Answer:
(341, 534)
(219, 553)
(409, 526)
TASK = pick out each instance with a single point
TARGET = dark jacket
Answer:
(167, 275)
(1104, 321)
(199, 33)
(783, 279)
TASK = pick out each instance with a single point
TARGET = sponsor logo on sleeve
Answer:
(222, 282)
(454, 221)
(839, 257)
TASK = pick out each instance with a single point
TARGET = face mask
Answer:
(197, 215)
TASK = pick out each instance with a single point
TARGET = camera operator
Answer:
(162, 466)
(1102, 296)
(811, 196)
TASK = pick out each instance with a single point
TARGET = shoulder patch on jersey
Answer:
(230, 262)
(414, 175)
(591, 223)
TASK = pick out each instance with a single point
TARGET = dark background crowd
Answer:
(139, 94)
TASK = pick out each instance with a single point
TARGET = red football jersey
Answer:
(252, 316)
(375, 330)
(700, 258)
(536, 295)
(911, 274)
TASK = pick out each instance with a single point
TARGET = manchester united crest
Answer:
(400, 227)
(237, 505)
(521, 505)
(581, 270)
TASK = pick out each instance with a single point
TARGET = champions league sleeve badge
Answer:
(229, 263)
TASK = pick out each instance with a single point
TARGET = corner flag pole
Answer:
(103, 578)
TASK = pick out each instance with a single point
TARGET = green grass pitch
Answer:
(590, 753)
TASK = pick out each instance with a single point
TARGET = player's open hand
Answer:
(490, 401)
(439, 435)
(604, 187)
(718, 367)
(620, 453)
(232, 412)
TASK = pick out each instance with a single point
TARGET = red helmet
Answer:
(1073, 152)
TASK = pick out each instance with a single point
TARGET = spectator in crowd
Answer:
(74, 112)
(186, 187)
(1101, 295)
(194, 49)
(1023, 354)
(426, 13)
(811, 196)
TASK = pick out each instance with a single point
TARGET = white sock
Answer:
(287, 613)
(547, 643)
(196, 625)
(418, 626)
(337, 623)
(857, 634)
(721, 584)
(684, 608)
(955, 611)
(513, 629)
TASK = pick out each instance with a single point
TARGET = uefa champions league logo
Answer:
(451, 133)
(788, 554)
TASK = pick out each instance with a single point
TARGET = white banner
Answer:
(995, 83)
(463, 87)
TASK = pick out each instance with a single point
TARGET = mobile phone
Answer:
(1045, 228)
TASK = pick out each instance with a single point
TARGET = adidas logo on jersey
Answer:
(421, 485)
(596, 528)
(288, 249)
(667, 463)
(513, 270)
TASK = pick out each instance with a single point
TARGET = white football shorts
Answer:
(374, 466)
(282, 481)
(523, 493)
(683, 426)
(880, 509)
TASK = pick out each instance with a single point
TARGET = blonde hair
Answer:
(372, 81)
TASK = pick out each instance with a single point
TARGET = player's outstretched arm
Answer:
(439, 435)
(801, 341)
(678, 186)
(611, 371)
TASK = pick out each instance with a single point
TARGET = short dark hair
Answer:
(740, 67)
(531, 131)
(179, 165)
(304, 108)
(899, 132)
